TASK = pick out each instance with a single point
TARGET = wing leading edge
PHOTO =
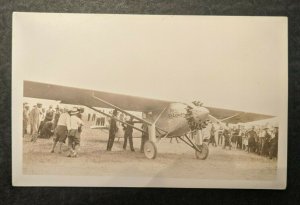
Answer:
(69, 95)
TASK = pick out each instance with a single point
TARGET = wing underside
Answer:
(69, 95)
(77, 96)
(233, 116)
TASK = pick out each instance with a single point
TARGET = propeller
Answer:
(191, 116)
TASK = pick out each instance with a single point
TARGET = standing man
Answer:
(226, 134)
(112, 131)
(128, 134)
(97, 119)
(251, 139)
(62, 129)
(239, 138)
(220, 136)
(212, 136)
(93, 116)
(89, 116)
(35, 120)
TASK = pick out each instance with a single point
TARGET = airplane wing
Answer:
(69, 95)
(91, 98)
(233, 116)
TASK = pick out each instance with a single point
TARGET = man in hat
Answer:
(266, 141)
(252, 135)
(74, 135)
(226, 134)
(128, 134)
(61, 131)
(112, 131)
(212, 136)
(35, 120)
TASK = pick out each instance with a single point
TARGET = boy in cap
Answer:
(74, 135)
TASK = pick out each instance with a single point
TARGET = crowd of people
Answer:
(262, 140)
(66, 124)
(62, 123)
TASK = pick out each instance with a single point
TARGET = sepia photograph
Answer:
(111, 100)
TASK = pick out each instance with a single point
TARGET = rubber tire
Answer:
(199, 154)
(150, 146)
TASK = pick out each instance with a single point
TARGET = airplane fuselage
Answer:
(174, 118)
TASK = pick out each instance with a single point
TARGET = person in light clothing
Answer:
(35, 120)
(74, 135)
(62, 129)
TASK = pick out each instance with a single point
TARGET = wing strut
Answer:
(119, 109)
(103, 113)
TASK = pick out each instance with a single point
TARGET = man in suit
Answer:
(112, 131)
(128, 134)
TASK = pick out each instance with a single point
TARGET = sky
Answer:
(228, 62)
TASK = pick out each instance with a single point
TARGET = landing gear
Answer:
(203, 151)
(150, 150)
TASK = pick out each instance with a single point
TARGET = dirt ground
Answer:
(174, 160)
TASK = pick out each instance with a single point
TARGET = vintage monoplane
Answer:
(168, 119)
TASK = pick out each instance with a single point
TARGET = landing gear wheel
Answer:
(203, 152)
(150, 150)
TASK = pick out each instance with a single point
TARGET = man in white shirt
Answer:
(62, 129)
(74, 135)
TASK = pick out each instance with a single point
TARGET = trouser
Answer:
(227, 143)
(98, 121)
(25, 127)
(102, 121)
(220, 139)
(212, 140)
(34, 133)
(128, 136)
(111, 140)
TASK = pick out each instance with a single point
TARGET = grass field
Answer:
(174, 160)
